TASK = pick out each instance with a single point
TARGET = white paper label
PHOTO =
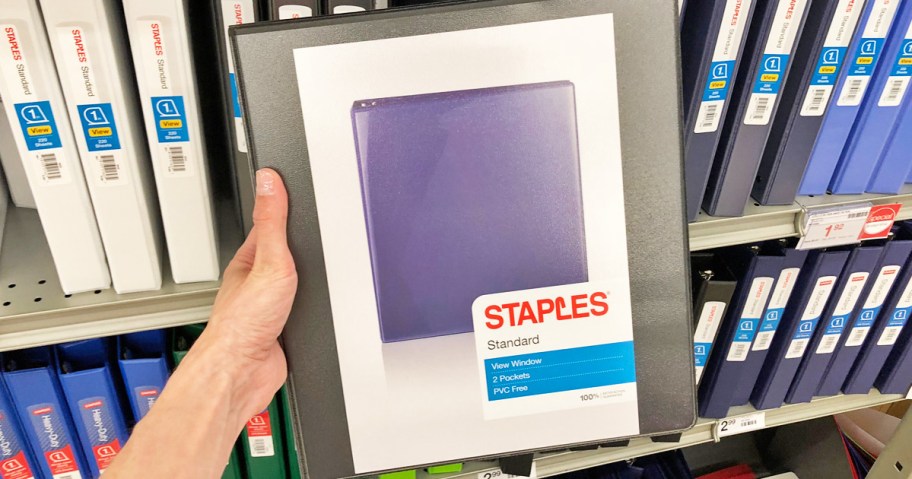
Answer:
(153, 46)
(868, 54)
(871, 308)
(287, 12)
(834, 226)
(347, 9)
(236, 12)
(898, 318)
(779, 298)
(499, 474)
(812, 312)
(895, 89)
(841, 313)
(740, 424)
(750, 318)
(710, 317)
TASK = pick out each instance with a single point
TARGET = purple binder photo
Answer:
(468, 193)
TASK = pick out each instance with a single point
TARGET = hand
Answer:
(255, 299)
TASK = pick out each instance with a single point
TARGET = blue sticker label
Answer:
(866, 318)
(836, 325)
(701, 353)
(38, 125)
(806, 328)
(828, 66)
(772, 72)
(771, 320)
(99, 127)
(903, 65)
(234, 95)
(170, 119)
(719, 82)
(866, 56)
(561, 370)
(747, 329)
(899, 317)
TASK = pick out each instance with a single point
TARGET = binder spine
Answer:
(895, 168)
(16, 460)
(896, 375)
(17, 183)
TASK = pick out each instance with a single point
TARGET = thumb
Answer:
(270, 215)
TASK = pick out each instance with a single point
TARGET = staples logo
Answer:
(13, 43)
(58, 457)
(44, 410)
(92, 404)
(238, 14)
(80, 46)
(559, 308)
(149, 392)
(157, 40)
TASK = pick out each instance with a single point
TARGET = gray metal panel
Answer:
(648, 78)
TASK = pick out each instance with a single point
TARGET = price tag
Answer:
(880, 221)
(498, 474)
(741, 424)
(834, 226)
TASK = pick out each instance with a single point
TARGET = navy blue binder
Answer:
(845, 304)
(712, 39)
(801, 319)
(896, 375)
(775, 310)
(876, 292)
(768, 51)
(144, 366)
(757, 269)
(804, 98)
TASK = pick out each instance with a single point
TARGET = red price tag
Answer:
(880, 221)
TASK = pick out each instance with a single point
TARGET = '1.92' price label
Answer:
(834, 226)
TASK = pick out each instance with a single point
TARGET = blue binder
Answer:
(16, 460)
(851, 89)
(845, 304)
(775, 310)
(878, 116)
(894, 168)
(712, 41)
(801, 319)
(875, 294)
(821, 50)
(757, 268)
(87, 378)
(768, 52)
(144, 367)
(39, 401)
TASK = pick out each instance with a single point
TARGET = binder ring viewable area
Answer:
(468, 193)
(474, 190)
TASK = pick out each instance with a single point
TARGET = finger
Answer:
(242, 261)
(270, 215)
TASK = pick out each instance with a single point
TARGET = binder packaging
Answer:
(168, 94)
(757, 272)
(819, 55)
(843, 306)
(288, 9)
(865, 53)
(798, 325)
(712, 39)
(86, 375)
(39, 401)
(144, 368)
(775, 311)
(89, 44)
(342, 225)
(876, 292)
(768, 50)
(262, 439)
(19, 189)
(714, 285)
(880, 110)
(35, 107)
(16, 459)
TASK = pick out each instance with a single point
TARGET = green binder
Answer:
(181, 340)
(294, 469)
(264, 446)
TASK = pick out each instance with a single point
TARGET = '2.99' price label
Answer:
(498, 474)
(741, 424)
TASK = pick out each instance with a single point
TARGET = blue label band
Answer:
(561, 370)
(747, 329)
(867, 317)
(170, 119)
(771, 74)
(771, 320)
(866, 56)
(234, 95)
(828, 66)
(719, 82)
(38, 125)
(701, 353)
(806, 328)
(836, 325)
(899, 317)
(903, 65)
(99, 127)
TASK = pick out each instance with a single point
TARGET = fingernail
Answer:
(265, 183)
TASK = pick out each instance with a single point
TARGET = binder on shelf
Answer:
(851, 89)
(263, 442)
(875, 293)
(16, 458)
(896, 375)
(288, 9)
(894, 168)
(40, 404)
(791, 275)
(714, 285)
(757, 268)
(89, 45)
(712, 40)
(144, 367)
(768, 51)
(161, 49)
(87, 377)
(292, 457)
(799, 322)
(17, 183)
(842, 308)
(348, 6)
(34, 105)
(879, 112)
(828, 27)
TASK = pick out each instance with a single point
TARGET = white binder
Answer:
(35, 107)
(90, 49)
(159, 38)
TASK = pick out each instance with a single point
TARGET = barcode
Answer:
(796, 350)
(110, 170)
(815, 103)
(68, 476)
(860, 214)
(52, 168)
(895, 89)
(738, 351)
(760, 109)
(857, 337)
(852, 91)
(177, 160)
(763, 341)
(889, 336)
(749, 422)
(709, 116)
(828, 344)
(261, 446)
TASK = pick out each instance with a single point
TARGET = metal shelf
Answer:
(552, 464)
